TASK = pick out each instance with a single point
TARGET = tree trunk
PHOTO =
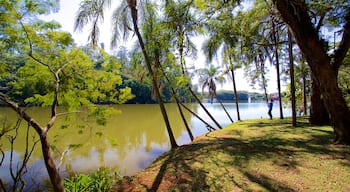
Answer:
(132, 6)
(261, 68)
(277, 68)
(209, 127)
(318, 113)
(304, 95)
(235, 92)
(228, 115)
(204, 108)
(292, 81)
(55, 178)
(295, 14)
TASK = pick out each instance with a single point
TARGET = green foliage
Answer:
(344, 80)
(100, 181)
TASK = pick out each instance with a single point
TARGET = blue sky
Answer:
(66, 16)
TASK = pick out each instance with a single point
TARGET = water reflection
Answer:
(130, 141)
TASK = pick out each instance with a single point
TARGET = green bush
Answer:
(99, 181)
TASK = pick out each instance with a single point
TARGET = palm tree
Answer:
(92, 11)
(208, 77)
(182, 23)
(224, 35)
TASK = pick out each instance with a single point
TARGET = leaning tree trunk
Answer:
(292, 81)
(295, 14)
(183, 68)
(132, 6)
(177, 103)
(235, 92)
(50, 164)
(55, 178)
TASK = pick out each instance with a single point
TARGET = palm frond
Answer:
(121, 24)
(91, 11)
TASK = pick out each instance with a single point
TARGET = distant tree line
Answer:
(243, 96)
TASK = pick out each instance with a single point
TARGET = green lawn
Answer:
(254, 155)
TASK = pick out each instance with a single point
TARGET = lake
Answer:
(129, 141)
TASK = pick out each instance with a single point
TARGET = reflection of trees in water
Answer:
(138, 128)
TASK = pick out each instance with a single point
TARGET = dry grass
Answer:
(255, 155)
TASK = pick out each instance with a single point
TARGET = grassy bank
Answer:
(254, 155)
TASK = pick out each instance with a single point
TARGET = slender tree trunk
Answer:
(184, 119)
(235, 92)
(277, 67)
(193, 94)
(323, 67)
(304, 73)
(292, 81)
(261, 68)
(204, 108)
(179, 106)
(210, 128)
(228, 115)
(304, 97)
(132, 6)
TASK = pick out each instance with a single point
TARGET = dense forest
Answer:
(307, 42)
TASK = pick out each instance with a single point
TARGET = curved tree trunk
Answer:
(133, 9)
(323, 67)
(55, 178)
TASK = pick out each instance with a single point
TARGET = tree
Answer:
(324, 66)
(92, 11)
(292, 81)
(208, 77)
(180, 21)
(226, 34)
(64, 74)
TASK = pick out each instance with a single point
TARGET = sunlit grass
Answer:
(253, 155)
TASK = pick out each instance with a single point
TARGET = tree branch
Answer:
(344, 45)
(21, 113)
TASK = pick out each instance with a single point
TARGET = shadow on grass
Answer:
(213, 164)
(268, 183)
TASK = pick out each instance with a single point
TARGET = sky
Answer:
(66, 17)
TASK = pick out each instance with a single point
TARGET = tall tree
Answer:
(275, 39)
(225, 34)
(292, 79)
(181, 21)
(53, 73)
(324, 66)
(92, 11)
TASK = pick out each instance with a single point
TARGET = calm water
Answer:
(129, 141)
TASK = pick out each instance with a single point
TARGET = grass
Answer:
(254, 155)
